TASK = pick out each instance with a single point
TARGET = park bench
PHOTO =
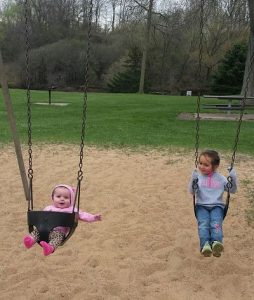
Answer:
(229, 106)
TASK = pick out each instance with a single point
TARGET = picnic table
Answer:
(229, 106)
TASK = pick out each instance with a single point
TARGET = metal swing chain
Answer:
(238, 130)
(83, 128)
(200, 59)
(28, 94)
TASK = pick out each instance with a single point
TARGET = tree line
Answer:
(123, 31)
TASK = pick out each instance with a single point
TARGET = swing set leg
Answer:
(12, 124)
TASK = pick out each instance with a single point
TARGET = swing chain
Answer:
(195, 185)
(229, 183)
(83, 128)
(29, 114)
(28, 94)
(243, 104)
(197, 130)
(200, 59)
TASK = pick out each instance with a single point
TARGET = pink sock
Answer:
(47, 248)
(28, 241)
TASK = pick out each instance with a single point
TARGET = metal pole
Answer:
(49, 96)
(12, 123)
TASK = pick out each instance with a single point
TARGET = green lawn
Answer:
(121, 120)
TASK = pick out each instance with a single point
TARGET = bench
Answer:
(226, 106)
(229, 106)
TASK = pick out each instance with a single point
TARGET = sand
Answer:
(146, 246)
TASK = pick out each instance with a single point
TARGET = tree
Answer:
(11, 27)
(127, 81)
(170, 58)
(229, 76)
(113, 3)
(146, 45)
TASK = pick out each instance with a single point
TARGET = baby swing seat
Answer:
(45, 221)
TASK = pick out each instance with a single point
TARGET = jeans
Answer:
(209, 224)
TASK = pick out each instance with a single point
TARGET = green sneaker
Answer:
(206, 250)
(217, 248)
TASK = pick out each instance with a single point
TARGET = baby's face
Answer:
(61, 197)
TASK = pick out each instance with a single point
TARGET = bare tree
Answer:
(146, 45)
(113, 4)
(98, 5)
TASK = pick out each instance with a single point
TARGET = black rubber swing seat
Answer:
(45, 221)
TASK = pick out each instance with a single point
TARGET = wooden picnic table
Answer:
(229, 106)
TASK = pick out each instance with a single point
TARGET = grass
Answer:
(119, 120)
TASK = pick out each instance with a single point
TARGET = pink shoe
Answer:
(47, 248)
(28, 241)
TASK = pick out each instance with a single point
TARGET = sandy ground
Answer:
(146, 246)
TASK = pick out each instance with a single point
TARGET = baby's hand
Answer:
(97, 217)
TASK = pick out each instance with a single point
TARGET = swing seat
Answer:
(45, 221)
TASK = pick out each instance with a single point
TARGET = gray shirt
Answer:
(211, 188)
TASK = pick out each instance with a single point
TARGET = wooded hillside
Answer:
(58, 40)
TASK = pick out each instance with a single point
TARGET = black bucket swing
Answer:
(45, 221)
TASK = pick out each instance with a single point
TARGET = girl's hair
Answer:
(214, 155)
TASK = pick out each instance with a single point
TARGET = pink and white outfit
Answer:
(58, 234)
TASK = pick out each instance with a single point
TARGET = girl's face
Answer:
(61, 197)
(205, 165)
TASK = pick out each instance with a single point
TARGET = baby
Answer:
(63, 197)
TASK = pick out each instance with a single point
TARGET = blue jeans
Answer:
(210, 221)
